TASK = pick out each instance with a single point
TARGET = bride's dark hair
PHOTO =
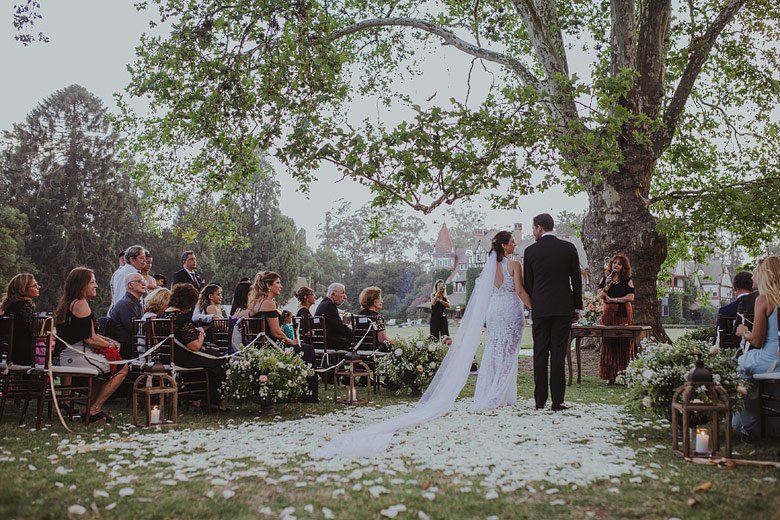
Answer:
(501, 238)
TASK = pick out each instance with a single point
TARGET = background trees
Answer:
(60, 167)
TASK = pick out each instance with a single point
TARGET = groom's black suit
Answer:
(553, 280)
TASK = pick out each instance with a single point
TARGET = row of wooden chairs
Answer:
(25, 383)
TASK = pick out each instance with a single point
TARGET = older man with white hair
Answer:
(127, 309)
(340, 337)
(135, 258)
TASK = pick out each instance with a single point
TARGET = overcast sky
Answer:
(92, 41)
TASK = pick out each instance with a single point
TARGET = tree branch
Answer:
(688, 194)
(698, 52)
(623, 36)
(651, 53)
(448, 38)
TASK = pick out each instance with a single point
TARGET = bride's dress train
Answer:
(497, 380)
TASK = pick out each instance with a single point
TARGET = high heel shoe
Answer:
(100, 416)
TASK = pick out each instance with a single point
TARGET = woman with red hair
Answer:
(617, 291)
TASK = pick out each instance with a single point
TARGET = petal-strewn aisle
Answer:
(502, 450)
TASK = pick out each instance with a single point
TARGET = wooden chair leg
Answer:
(85, 415)
(208, 392)
(41, 400)
(761, 415)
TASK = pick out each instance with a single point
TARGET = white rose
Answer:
(714, 349)
(432, 364)
(647, 402)
(648, 374)
(716, 378)
(432, 347)
(398, 352)
(419, 344)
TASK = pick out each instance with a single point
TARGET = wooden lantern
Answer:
(706, 442)
(352, 368)
(154, 387)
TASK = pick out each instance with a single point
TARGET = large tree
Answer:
(665, 122)
(60, 168)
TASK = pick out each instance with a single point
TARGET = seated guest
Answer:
(306, 299)
(188, 273)
(211, 301)
(199, 314)
(287, 324)
(160, 279)
(265, 289)
(190, 339)
(135, 256)
(766, 358)
(18, 302)
(239, 305)
(746, 311)
(340, 336)
(371, 302)
(727, 314)
(127, 309)
(616, 289)
(151, 283)
(156, 302)
(75, 324)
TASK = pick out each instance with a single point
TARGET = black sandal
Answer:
(100, 416)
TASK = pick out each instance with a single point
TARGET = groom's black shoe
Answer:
(539, 407)
(558, 407)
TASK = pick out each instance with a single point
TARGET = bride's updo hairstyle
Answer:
(501, 238)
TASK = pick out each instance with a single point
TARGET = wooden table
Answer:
(635, 332)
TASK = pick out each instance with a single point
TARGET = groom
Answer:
(552, 278)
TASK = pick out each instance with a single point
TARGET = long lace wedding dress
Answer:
(499, 308)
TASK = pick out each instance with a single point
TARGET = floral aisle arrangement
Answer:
(266, 375)
(660, 368)
(412, 363)
(592, 309)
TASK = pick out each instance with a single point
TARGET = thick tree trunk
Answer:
(618, 221)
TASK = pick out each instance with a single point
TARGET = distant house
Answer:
(712, 280)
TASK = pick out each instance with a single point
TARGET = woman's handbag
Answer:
(83, 356)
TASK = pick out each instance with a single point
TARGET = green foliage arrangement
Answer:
(410, 367)
(266, 375)
(660, 368)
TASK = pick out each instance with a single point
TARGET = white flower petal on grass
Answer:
(168, 482)
(126, 491)
(635, 480)
(490, 495)
(219, 482)
(422, 516)
(265, 510)
(327, 513)
(375, 491)
(287, 513)
(77, 509)
(551, 491)
(392, 511)
(228, 493)
(110, 506)
(430, 495)
(100, 493)
(59, 485)
(31, 467)
(558, 502)
(613, 490)
(62, 471)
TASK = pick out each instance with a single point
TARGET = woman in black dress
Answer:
(439, 305)
(18, 302)
(265, 288)
(75, 324)
(306, 299)
(617, 291)
(184, 296)
(371, 302)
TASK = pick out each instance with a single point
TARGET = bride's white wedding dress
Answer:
(501, 310)
(497, 379)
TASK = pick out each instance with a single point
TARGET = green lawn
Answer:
(32, 487)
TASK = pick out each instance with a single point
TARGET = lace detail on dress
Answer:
(497, 379)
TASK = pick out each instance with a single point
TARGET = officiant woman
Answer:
(617, 291)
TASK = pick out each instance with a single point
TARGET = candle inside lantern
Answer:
(702, 441)
(353, 394)
(154, 415)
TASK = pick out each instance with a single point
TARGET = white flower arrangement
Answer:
(660, 368)
(592, 309)
(413, 364)
(266, 375)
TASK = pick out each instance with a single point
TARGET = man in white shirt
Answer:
(135, 258)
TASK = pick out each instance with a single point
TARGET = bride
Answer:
(496, 302)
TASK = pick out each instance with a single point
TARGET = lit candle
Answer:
(702, 441)
(154, 415)
(353, 394)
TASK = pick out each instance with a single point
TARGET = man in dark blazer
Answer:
(553, 279)
(727, 314)
(339, 336)
(188, 274)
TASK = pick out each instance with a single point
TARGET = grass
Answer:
(741, 492)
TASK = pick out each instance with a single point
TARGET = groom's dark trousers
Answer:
(551, 338)
(552, 277)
